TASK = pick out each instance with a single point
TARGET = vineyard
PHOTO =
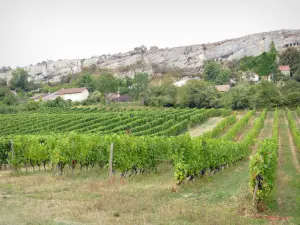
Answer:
(80, 141)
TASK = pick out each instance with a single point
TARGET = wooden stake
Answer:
(254, 194)
(111, 160)
(12, 153)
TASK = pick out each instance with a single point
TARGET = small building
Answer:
(223, 88)
(112, 97)
(267, 78)
(285, 70)
(117, 97)
(124, 98)
(251, 77)
(254, 78)
(73, 94)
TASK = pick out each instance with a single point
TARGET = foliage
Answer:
(86, 80)
(162, 95)
(291, 57)
(220, 127)
(139, 85)
(20, 79)
(263, 165)
(238, 97)
(213, 72)
(58, 102)
(198, 94)
(31, 105)
(10, 99)
(4, 91)
(93, 98)
(263, 64)
(293, 127)
(193, 157)
(238, 126)
(106, 83)
(267, 95)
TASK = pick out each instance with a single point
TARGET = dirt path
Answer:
(267, 130)
(280, 173)
(296, 118)
(293, 148)
(242, 134)
(207, 126)
(287, 193)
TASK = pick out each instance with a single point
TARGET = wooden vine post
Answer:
(111, 161)
(12, 153)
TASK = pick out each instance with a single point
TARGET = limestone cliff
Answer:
(187, 59)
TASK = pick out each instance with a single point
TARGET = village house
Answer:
(117, 97)
(73, 94)
(285, 70)
(267, 78)
(223, 88)
(252, 77)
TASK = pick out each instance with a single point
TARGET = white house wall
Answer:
(77, 97)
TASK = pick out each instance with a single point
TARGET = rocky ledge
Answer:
(187, 60)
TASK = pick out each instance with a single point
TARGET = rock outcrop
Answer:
(187, 60)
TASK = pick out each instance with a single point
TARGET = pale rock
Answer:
(186, 59)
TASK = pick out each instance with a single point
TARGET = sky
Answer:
(33, 31)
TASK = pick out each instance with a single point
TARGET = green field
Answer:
(55, 166)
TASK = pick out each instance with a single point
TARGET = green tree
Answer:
(214, 73)
(140, 84)
(10, 99)
(162, 95)
(95, 97)
(211, 71)
(296, 75)
(291, 57)
(106, 83)
(223, 77)
(20, 79)
(267, 95)
(238, 97)
(125, 85)
(86, 80)
(31, 105)
(263, 64)
(3, 92)
(3, 82)
(293, 99)
(198, 94)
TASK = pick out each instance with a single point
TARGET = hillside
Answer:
(187, 60)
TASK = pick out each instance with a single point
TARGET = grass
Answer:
(40, 198)
(90, 198)
(207, 126)
(288, 178)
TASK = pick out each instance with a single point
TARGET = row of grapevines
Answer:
(263, 165)
(130, 153)
(200, 118)
(220, 127)
(293, 127)
(240, 125)
(193, 157)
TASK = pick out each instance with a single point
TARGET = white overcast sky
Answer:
(37, 30)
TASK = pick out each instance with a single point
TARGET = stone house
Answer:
(73, 94)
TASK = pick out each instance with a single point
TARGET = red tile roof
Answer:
(284, 68)
(70, 91)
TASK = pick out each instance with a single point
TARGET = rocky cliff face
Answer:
(187, 59)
